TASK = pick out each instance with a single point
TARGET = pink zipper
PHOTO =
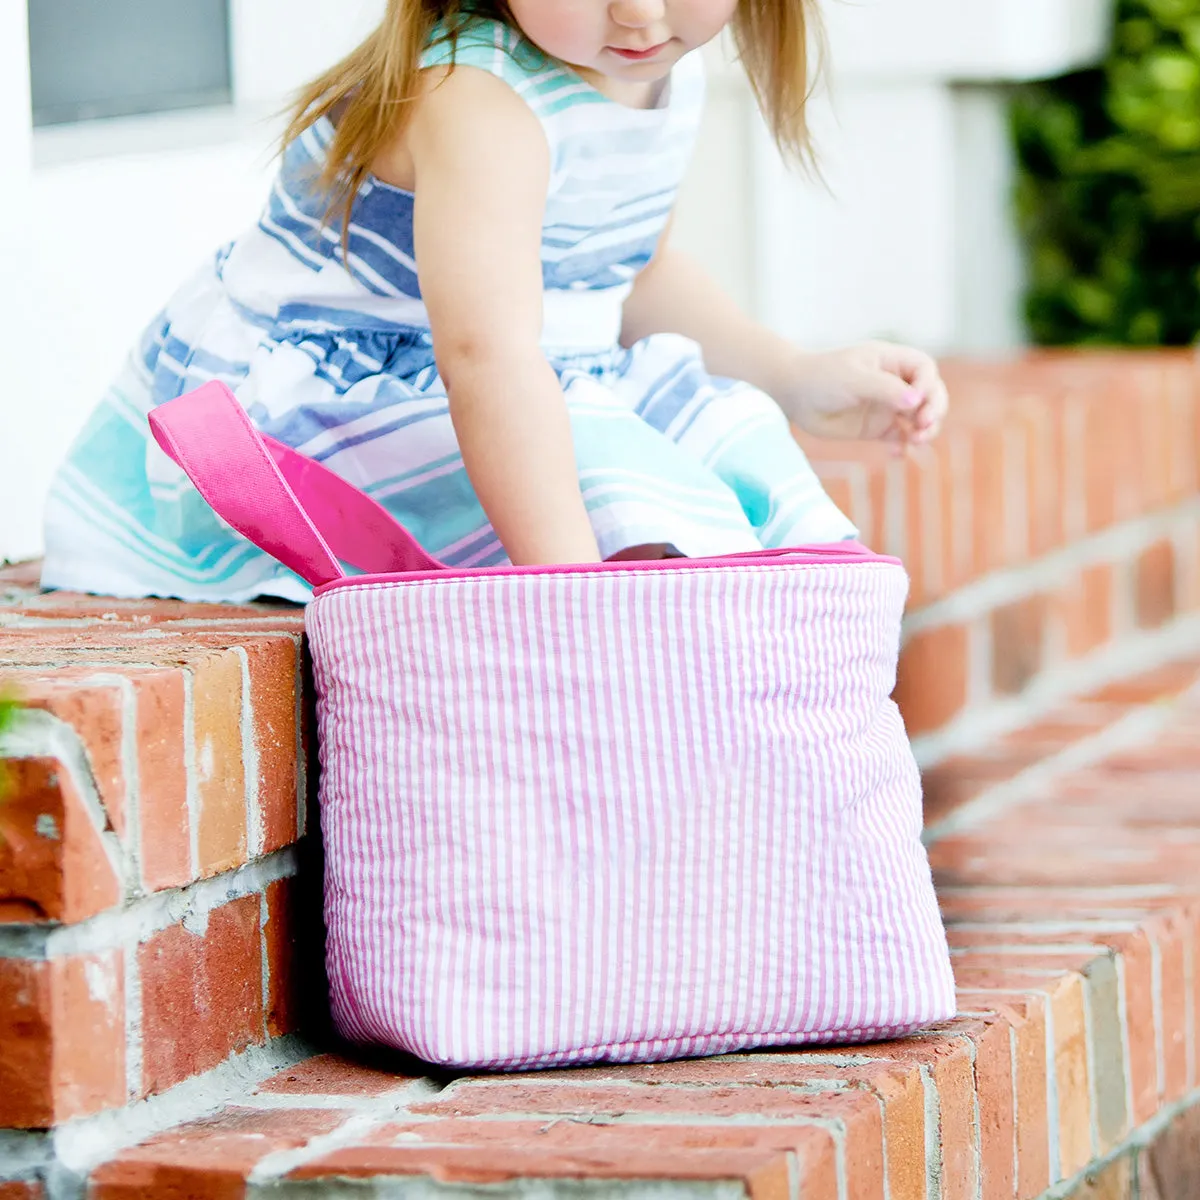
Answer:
(841, 553)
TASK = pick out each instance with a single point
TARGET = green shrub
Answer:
(1109, 191)
(8, 715)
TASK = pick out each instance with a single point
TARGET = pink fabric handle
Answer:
(297, 510)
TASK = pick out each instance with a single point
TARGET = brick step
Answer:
(159, 928)
(149, 845)
(162, 778)
(1069, 883)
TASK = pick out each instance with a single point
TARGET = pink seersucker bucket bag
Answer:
(624, 812)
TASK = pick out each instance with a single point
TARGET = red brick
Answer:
(218, 761)
(1161, 683)
(166, 856)
(953, 450)
(1075, 1145)
(1113, 1181)
(53, 862)
(1154, 599)
(21, 1191)
(1182, 429)
(858, 1111)
(902, 1095)
(1085, 608)
(1137, 1025)
(330, 1075)
(995, 1089)
(89, 1034)
(1173, 934)
(899, 1090)
(1105, 431)
(1066, 725)
(209, 1159)
(1192, 961)
(948, 786)
(19, 576)
(105, 662)
(279, 943)
(202, 994)
(1064, 994)
(494, 1152)
(1043, 428)
(560, 1096)
(976, 859)
(991, 500)
(1154, 437)
(948, 1061)
(107, 610)
(958, 780)
(846, 482)
(887, 535)
(1018, 641)
(1187, 568)
(932, 685)
(1170, 1167)
(273, 682)
(1141, 1027)
(1002, 902)
(1024, 1014)
(838, 489)
(93, 707)
(26, 1045)
(62, 1039)
(917, 479)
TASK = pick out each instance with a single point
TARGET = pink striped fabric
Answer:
(622, 815)
(628, 812)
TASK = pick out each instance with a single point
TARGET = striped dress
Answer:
(332, 354)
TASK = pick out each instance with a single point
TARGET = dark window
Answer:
(112, 58)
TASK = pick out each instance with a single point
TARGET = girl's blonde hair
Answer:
(371, 91)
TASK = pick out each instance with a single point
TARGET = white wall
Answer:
(910, 240)
(17, 493)
(909, 234)
(114, 216)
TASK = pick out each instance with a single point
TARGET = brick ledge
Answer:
(1073, 1059)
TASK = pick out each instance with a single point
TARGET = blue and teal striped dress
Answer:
(332, 354)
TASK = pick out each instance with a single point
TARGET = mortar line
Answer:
(1133, 655)
(251, 771)
(1145, 1135)
(1134, 729)
(1009, 584)
(933, 1135)
(84, 1143)
(147, 915)
(1123, 1022)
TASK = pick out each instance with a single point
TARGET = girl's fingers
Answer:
(889, 392)
(920, 371)
(928, 419)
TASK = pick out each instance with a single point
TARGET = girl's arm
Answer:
(481, 167)
(675, 294)
(877, 390)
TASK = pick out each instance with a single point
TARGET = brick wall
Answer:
(1052, 536)
(148, 902)
(159, 929)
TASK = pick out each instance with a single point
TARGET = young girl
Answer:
(461, 296)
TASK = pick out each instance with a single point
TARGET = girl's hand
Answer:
(876, 391)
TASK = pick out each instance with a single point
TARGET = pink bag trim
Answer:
(308, 517)
(799, 556)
